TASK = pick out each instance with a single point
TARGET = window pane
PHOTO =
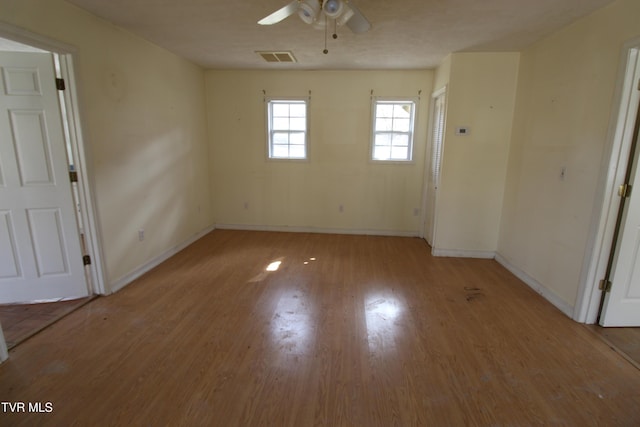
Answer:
(298, 110)
(280, 110)
(281, 124)
(280, 151)
(402, 125)
(298, 124)
(381, 153)
(383, 139)
(400, 140)
(297, 139)
(402, 110)
(297, 151)
(384, 125)
(280, 138)
(384, 110)
(400, 153)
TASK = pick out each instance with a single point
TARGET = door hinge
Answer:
(73, 176)
(60, 84)
(624, 190)
(86, 260)
(605, 285)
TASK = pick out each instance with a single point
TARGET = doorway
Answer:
(53, 234)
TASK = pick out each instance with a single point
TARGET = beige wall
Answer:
(248, 190)
(145, 126)
(565, 93)
(480, 96)
(442, 74)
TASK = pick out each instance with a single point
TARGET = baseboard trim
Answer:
(319, 230)
(536, 286)
(460, 253)
(154, 262)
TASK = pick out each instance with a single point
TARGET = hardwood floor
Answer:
(350, 330)
(22, 321)
(626, 341)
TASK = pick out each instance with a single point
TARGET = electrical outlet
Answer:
(246, 205)
(341, 208)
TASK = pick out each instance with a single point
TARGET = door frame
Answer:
(612, 173)
(427, 166)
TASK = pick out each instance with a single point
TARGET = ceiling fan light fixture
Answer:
(333, 8)
(308, 11)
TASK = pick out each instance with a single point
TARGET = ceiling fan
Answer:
(318, 12)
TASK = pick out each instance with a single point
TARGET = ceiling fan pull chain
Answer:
(335, 29)
(326, 24)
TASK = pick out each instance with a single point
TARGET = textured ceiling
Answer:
(406, 34)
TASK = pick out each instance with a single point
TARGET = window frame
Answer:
(412, 126)
(269, 101)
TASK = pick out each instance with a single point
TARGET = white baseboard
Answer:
(319, 230)
(154, 262)
(536, 286)
(459, 253)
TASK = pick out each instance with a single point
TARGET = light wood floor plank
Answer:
(350, 330)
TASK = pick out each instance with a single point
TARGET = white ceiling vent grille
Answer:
(277, 56)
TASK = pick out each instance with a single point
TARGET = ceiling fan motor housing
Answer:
(333, 8)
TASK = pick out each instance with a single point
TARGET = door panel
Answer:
(31, 145)
(47, 238)
(9, 263)
(40, 246)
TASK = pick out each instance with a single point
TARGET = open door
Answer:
(40, 250)
(620, 305)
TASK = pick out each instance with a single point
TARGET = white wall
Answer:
(144, 121)
(565, 93)
(250, 191)
(480, 96)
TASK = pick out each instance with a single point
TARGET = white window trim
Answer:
(374, 100)
(267, 101)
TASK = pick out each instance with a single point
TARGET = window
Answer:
(287, 129)
(393, 130)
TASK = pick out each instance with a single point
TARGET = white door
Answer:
(433, 179)
(40, 255)
(622, 304)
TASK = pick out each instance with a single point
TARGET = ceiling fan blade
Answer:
(280, 14)
(358, 23)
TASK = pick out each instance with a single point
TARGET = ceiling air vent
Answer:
(277, 56)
